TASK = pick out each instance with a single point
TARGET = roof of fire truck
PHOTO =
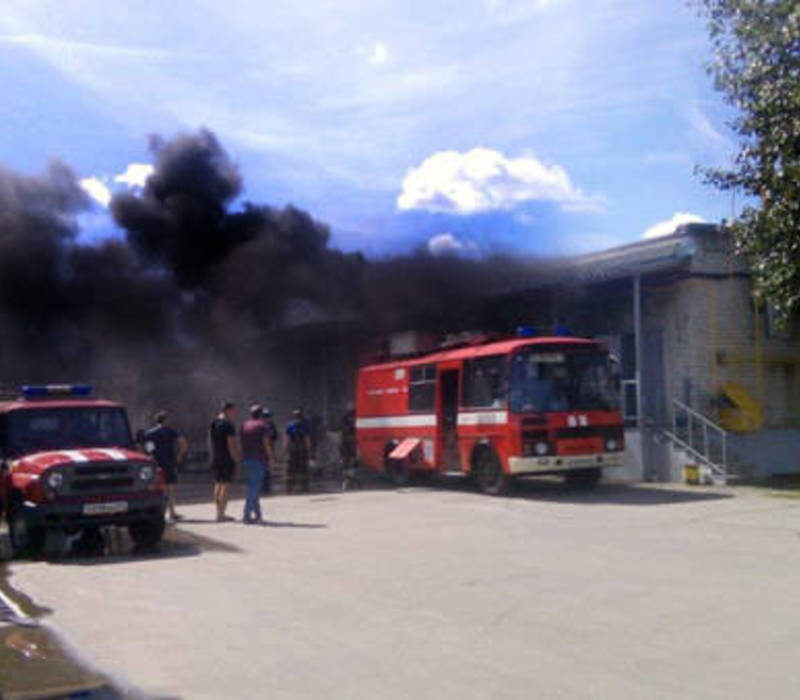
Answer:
(54, 396)
(498, 347)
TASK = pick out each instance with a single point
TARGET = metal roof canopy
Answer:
(652, 255)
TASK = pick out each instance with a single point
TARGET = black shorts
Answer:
(171, 474)
(223, 472)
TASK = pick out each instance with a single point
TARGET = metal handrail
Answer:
(693, 416)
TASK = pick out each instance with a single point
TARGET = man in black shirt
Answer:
(224, 455)
(168, 448)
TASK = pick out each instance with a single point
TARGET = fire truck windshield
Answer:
(42, 429)
(543, 382)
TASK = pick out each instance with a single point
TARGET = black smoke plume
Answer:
(204, 297)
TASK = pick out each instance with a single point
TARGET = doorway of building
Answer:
(655, 403)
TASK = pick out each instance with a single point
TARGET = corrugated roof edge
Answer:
(644, 256)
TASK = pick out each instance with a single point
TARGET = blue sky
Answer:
(545, 126)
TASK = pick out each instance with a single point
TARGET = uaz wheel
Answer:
(27, 540)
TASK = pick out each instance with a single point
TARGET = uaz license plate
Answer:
(111, 508)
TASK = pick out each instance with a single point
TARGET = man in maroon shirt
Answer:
(257, 450)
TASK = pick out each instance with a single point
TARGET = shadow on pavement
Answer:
(308, 526)
(239, 523)
(196, 487)
(116, 547)
(554, 490)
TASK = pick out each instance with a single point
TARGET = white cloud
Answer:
(135, 174)
(96, 189)
(484, 179)
(375, 54)
(666, 228)
(703, 126)
(55, 45)
(449, 244)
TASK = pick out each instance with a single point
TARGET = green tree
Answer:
(757, 68)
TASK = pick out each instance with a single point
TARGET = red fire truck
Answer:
(69, 463)
(493, 411)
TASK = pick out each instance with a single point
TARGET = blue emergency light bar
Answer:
(531, 332)
(30, 391)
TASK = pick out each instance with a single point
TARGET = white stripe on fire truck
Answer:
(116, 455)
(483, 418)
(75, 455)
(414, 421)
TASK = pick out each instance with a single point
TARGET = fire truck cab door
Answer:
(448, 457)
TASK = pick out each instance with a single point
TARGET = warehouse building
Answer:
(705, 366)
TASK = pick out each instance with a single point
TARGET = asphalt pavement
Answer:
(625, 592)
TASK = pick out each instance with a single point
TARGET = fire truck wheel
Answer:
(146, 534)
(26, 540)
(487, 472)
(583, 478)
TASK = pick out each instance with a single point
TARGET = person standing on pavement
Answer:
(256, 453)
(298, 447)
(348, 451)
(272, 434)
(168, 448)
(224, 455)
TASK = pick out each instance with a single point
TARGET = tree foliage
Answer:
(757, 68)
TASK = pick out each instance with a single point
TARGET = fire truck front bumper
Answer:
(115, 510)
(563, 463)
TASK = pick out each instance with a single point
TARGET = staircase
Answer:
(700, 440)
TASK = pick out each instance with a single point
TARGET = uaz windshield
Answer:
(42, 429)
(561, 382)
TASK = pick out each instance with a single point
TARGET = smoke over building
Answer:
(204, 298)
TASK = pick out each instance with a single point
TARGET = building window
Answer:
(422, 388)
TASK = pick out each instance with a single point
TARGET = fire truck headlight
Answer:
(55, 480)
(541, 449)
(146, 472)
(612, 445)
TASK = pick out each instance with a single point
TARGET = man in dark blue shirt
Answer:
(168, 448)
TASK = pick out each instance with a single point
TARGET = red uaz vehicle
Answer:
(69, 463)
(494, 411)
